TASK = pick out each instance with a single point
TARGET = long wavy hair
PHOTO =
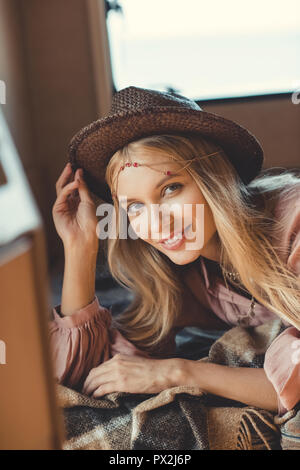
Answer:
(247, 230)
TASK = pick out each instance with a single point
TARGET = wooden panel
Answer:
(28, 417)
(13, 72)
(275, 121)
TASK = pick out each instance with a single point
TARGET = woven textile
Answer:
(179, 417)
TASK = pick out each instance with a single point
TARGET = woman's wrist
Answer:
(188, 372)
(81, 251)
(243, 384)
(79, 278)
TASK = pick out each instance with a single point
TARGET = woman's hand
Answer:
(132, 374)
(74, 212)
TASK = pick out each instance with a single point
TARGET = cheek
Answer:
(205, 223)
(199, 213)
(139, 225)
(149, 225)
(193, 206)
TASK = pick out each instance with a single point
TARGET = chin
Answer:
(184, 257)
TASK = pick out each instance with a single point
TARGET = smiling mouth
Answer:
(175, 240)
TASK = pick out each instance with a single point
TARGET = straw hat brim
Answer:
(93, 146)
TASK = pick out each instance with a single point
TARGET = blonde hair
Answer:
(245, 225)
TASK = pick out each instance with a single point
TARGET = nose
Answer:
(162, 224)
(156, 223)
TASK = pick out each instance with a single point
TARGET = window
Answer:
(204, 49)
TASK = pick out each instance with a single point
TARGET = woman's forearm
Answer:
(244, 384)
(79, 278)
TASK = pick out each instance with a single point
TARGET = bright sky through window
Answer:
(207, 49)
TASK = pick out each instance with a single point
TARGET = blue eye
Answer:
(176, 185)
(131, 205)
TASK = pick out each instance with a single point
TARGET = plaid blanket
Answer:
(289, 425)
(179, 417)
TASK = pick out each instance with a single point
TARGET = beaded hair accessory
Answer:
(165, 172)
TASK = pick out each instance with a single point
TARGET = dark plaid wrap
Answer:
(181, 418)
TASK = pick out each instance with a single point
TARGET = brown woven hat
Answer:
(139, 112)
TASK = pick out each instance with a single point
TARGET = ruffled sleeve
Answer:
(282, 367)
(282, 359)
(82, 341)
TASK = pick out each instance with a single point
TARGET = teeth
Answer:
(172, 240)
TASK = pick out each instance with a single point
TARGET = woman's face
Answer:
(159, 206)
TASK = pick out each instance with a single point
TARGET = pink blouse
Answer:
(85, 339)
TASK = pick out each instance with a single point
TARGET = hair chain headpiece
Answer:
(165, 172)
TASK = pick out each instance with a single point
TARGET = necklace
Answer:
(245, 320)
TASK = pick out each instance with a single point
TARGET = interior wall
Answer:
(275, 122)
(62, 91)
(47, 62)
(13, 73)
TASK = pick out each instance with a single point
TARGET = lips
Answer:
(171, 236)
(179, 236)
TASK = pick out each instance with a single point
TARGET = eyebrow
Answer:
(166, 178)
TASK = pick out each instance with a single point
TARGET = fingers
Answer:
(107, 388)
(65, 191)
(110, 370)
(103, 370)
(65, 177)
(82, 187)
(94, 373)
(100, 379)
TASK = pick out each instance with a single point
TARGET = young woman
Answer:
(234, 261)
